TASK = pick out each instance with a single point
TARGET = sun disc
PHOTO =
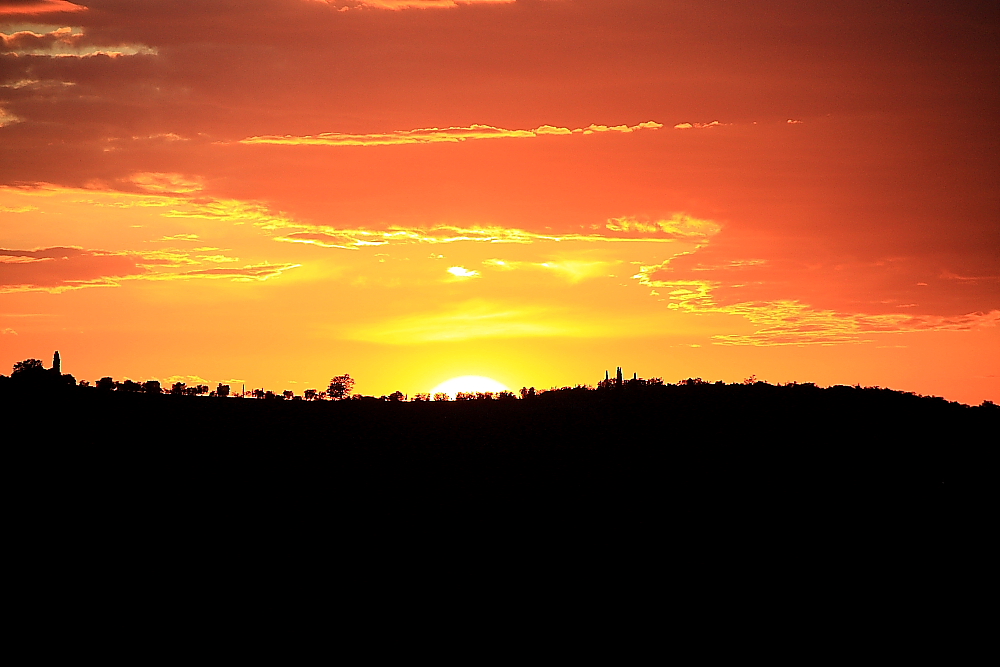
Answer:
(469, 384)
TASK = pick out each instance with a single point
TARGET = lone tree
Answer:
(340, 387)
(28, 367)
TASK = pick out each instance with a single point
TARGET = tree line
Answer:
(31, 376)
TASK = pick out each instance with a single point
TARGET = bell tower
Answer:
(56, 363)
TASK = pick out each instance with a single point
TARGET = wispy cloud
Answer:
(346, 5)
(178, 237)
(791, 322)
(232, 210)
(65, 42)
(680, 225)
(698, 126)
(573, 270)
(59, 269)
(249, 273)
(38, 7)
(7, 118)
(440, 135)
(625, 229)
(794, 323)
(166, 183)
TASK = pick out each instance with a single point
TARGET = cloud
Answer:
(697, 126)
(38, 7)
(433, 135)
(249, 273)
(573, 270)
(58, 268)
(7, 331)
(166, 183)
(178, 237)
(344, 5)
(7, 118)
(680, 227)
(232, 210)
(462, 272)
(792, 322)
(65, 42)
(949, 275)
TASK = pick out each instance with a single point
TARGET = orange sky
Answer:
(278, 191)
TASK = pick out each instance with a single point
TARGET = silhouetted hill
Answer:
(620, 440)
(723, 488)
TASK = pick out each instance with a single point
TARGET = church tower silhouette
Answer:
(56, 363)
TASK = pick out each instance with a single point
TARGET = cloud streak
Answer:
(58, 269)
(64, 42)
(346, 5)
(39, 7)
(433, 135)
(790, 322)
(626, 229)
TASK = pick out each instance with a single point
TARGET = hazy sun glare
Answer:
(469, 383)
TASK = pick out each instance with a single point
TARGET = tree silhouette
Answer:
(340, 387)
(105, 384)
(151, 387)
(28, 367)
(222, 391)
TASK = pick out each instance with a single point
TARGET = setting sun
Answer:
(468, 384)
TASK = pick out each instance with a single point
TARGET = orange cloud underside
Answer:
(528, 191)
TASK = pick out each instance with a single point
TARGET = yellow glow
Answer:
(469, 384)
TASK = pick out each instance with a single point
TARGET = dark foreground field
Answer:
(716, 501)
(616, 447)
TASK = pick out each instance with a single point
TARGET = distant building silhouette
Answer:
(56, 363)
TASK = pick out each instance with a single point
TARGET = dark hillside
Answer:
(748, 491)
(611, 442)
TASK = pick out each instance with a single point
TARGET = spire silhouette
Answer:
(56, 363)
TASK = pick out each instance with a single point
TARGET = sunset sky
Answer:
(274, 192)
